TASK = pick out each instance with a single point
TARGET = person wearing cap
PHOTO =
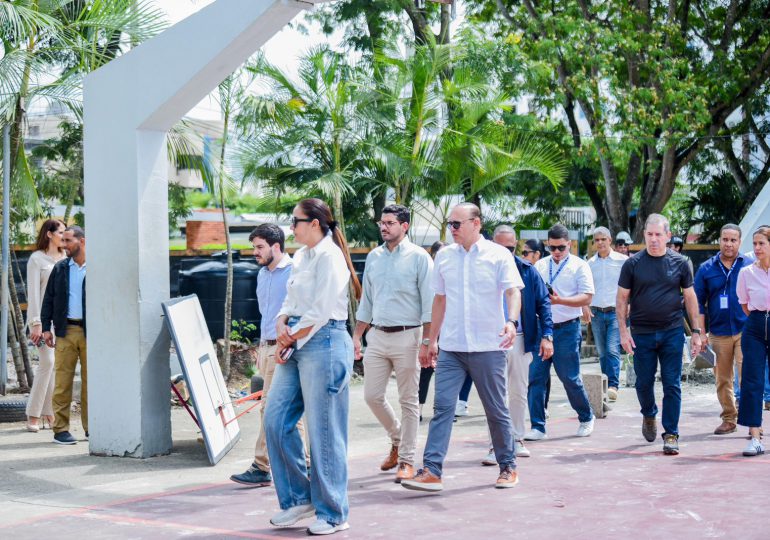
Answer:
(677, 244)
(623, 242)
(605, 267)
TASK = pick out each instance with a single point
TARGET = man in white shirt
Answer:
(571, 287)
(470, 278)
(605, 267)
(395, 309)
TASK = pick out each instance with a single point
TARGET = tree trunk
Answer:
(19, 325)
(18, 362)
(228, 246)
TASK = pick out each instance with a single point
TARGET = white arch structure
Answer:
(130, 104)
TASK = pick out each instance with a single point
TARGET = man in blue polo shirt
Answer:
(719, 308)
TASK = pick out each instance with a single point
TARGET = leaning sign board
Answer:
(200, 367)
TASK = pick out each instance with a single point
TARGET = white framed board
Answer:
(211, 401)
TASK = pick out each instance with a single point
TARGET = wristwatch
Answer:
(549, 337)
(515, 323)
(425, 342)
(696, 330)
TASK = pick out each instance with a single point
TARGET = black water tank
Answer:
(209, 280)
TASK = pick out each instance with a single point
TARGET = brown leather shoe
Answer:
(424, 480)
(725, 428)
(507, 479)
(405, 472)
(392, 460)
(649, 428)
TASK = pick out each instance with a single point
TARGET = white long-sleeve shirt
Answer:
(317, 291)
(39, 268)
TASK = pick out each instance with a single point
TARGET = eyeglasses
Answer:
(295, 220)
(388, 224)
(512, 249)
(557, 248)
(457, 224)
(525, 253)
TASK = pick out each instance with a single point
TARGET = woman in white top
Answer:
(49, 251)
(314, 362)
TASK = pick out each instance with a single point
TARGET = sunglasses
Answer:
(525, 253)
(557, 248)
(295, 220)
(456, 224)
(512, 249)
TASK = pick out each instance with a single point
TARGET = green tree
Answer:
(653, 81)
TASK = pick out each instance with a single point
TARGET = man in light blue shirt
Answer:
(268, 241)
(396, 304)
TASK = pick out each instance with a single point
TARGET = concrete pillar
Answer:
(130, 104)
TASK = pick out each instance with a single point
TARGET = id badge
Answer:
(722, 301)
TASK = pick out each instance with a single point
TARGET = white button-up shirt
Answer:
(474, 282)
(570, 277)
(606, 272)
(317, 291)
(396, 285)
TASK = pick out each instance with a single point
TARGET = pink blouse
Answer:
(754, 287)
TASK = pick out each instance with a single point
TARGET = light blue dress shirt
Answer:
(75, 303)
(271, 292)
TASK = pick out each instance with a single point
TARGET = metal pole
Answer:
(6, 257)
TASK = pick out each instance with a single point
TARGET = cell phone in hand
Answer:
(550, 289)
(286, 353)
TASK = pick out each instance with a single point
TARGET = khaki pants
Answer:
(518, 384)
(68, 350)
(386, 353)
(266, 367)
(729, 355)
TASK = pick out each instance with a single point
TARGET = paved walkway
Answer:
(610, 485)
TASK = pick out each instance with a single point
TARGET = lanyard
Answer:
(726, 273)
(551, 276)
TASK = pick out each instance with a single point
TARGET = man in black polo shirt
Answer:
(652, 280)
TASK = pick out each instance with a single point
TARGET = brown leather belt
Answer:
(269, 342)
(394, 329)
(604, 309)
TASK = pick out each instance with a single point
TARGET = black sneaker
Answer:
(649, 428)
(670, 444)
(253, 477)
(64, 437)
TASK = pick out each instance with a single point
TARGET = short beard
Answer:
(270, 259)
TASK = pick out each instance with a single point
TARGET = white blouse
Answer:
(318, 288)
(39, 267)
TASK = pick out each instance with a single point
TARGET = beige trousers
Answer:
(386, 353)
(40, 402)
(69, 350)
(517, 386)
(729, 355)
(266, 367)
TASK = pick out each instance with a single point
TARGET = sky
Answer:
(283, 50)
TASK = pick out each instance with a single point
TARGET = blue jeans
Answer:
(607, 338)
(465, 391)
(566, 362)
(666, 347)
(755, 344)
(737, 385)
(488, 371)
(314, 381)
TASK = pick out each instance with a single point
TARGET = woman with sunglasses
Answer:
(49, 251)
(314, 361)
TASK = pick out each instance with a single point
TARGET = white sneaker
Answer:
(520, 450)
(287, 518)
(754, 448)
(461, 409)
(586, 428)
(324, 527)
(535, 435)
(490, 459)
(547, 415)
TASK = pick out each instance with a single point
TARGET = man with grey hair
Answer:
(605, 266)
(652, 280)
